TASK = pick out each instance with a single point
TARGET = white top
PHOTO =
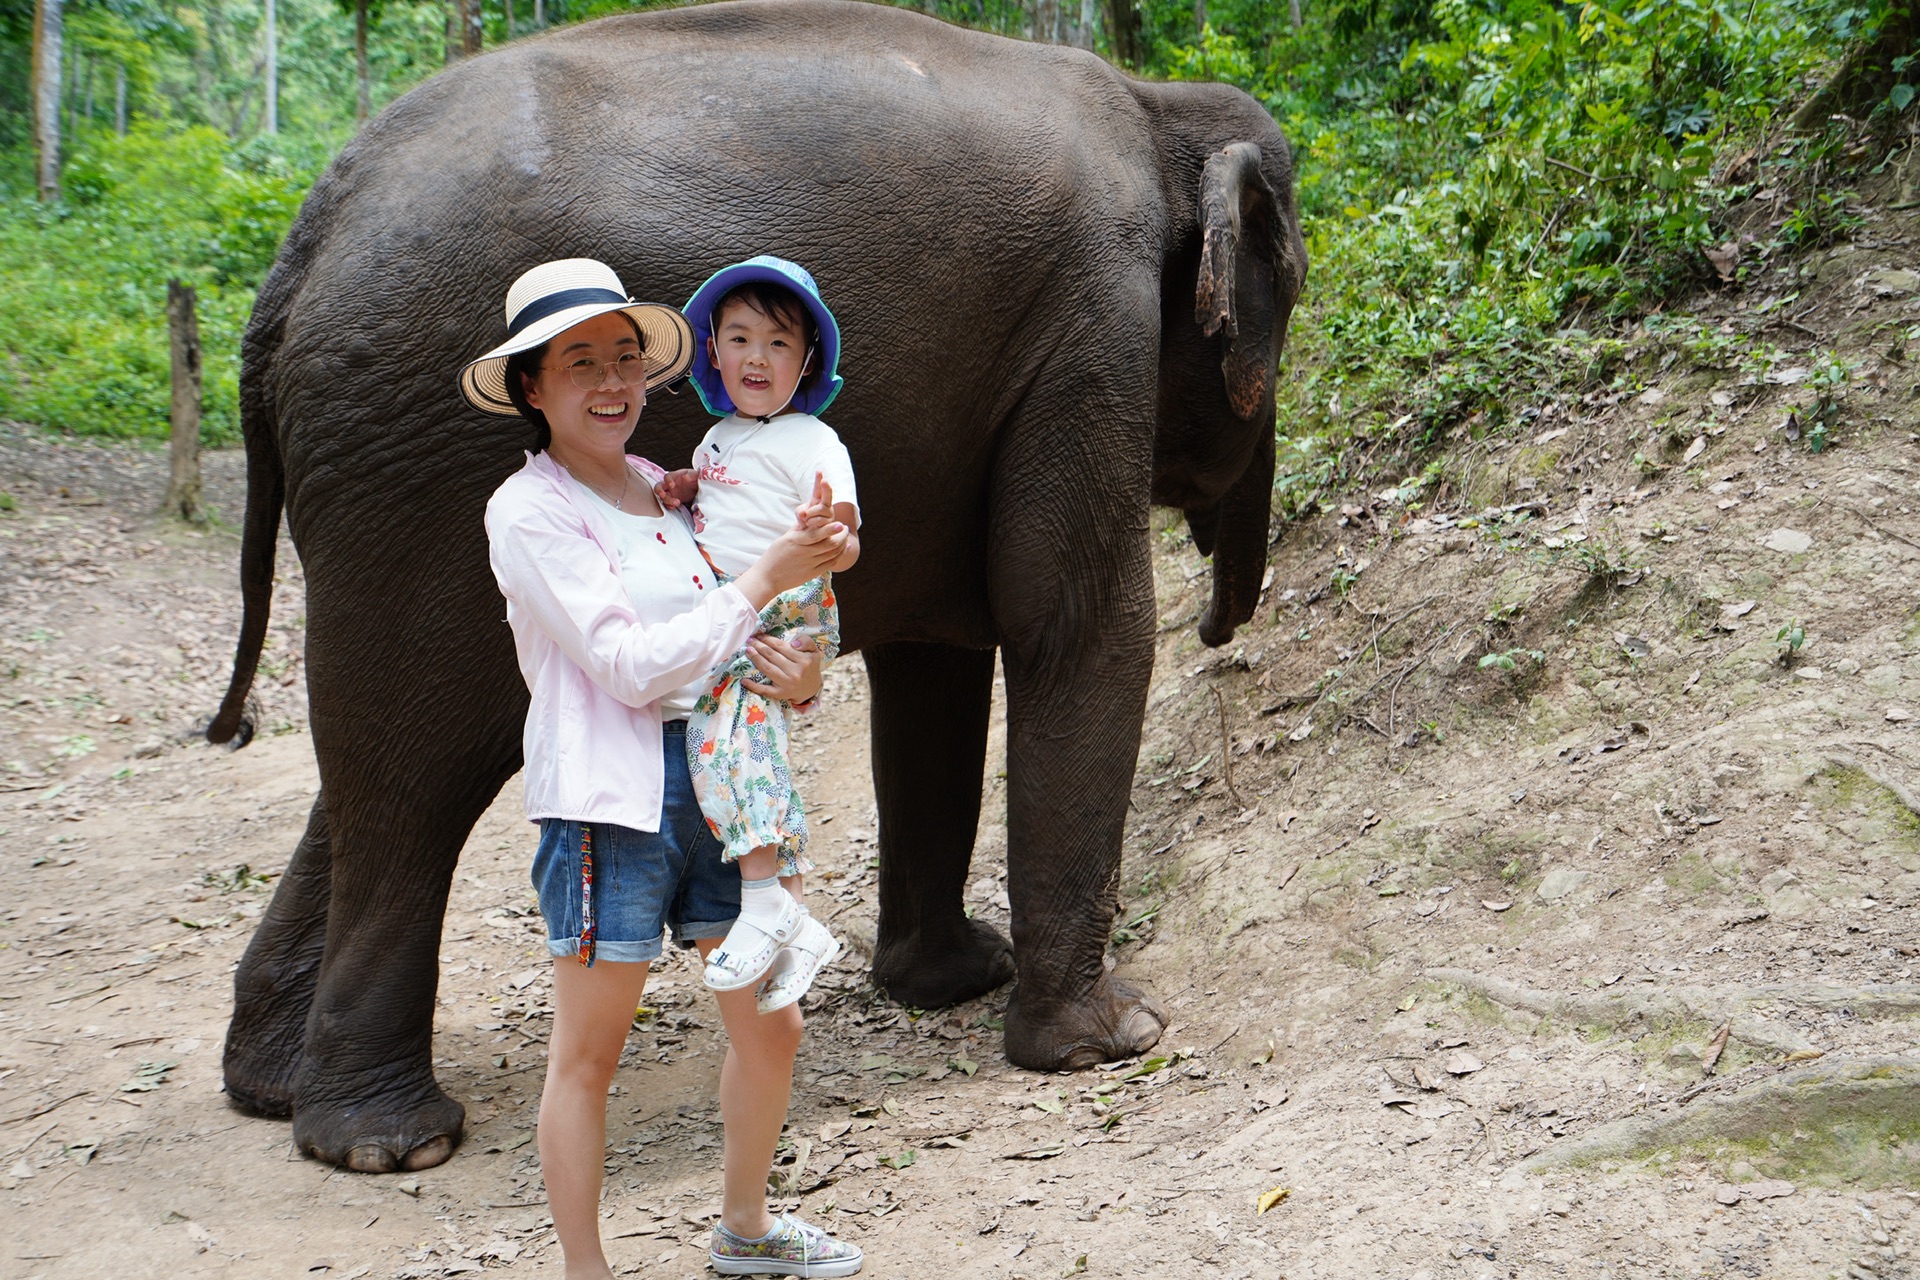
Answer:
(596, 666)
(664, 575)
(753, 474)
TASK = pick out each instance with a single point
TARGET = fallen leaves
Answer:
(1715, 1047)
(1268, 1199)
(149, 1076)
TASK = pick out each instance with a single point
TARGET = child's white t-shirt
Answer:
(753, 474)
(664, 575)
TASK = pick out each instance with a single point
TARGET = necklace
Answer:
(626, 481)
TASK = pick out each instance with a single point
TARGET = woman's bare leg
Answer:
(592, 1012)
(755, 1083)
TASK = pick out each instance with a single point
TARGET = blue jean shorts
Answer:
(644, 882)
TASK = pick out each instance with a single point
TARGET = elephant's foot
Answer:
(413, 1130)
(929, 971)
(264, 1043)
(1054, 1032)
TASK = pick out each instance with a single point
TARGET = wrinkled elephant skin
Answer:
(1064, 294)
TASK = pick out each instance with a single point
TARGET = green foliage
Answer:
(1509, 660)
(1491, 185)
(1791, 637)
(83, 322)
(1491, 189)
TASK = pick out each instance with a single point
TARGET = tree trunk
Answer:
(506, 17)
(1865, 76)
(183, 482)
(1123, 31)
(471, 32)
(1199, 16)
(453, 31)
(46, 97)
(539, 14)
(1293, 11)
(271, 106)
(87, 107)
(363, 107)
(1089, 18)
(120, 100)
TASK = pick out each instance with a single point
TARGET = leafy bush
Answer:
(83, 319)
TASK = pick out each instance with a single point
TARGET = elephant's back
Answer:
(905, 162)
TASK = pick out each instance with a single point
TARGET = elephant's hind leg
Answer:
(930, 708)
(366, 1097)
(273, 987)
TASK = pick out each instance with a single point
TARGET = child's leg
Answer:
(592, 1010)
(755, 1083)
(758, 864)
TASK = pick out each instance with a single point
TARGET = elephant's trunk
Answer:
(1237, 530)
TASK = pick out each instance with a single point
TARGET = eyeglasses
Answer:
(587, 374)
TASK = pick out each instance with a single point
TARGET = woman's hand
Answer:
(793, 675)
(796, 556)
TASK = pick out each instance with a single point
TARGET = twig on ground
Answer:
(1226, 745)
(1877, 527)
(40, 1111)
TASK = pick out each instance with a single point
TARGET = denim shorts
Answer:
(644, 882)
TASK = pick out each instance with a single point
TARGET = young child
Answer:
(766, 353)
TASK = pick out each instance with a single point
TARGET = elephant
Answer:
(1064, 292)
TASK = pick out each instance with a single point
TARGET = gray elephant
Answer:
(1064, 293)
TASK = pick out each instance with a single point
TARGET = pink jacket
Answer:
(595, 666)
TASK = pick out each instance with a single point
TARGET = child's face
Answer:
(760, 358)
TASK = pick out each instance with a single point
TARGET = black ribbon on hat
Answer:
(554, 303)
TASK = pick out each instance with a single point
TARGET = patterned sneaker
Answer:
(792, 1248)
(742, 957)
(797, 965)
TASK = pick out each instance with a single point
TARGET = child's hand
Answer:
(677, 488)
(818, 509)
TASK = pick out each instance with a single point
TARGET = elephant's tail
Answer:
(260, 534)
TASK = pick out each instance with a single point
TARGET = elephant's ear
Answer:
(1243, 260)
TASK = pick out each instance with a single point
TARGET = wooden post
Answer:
(183, 484)
(46, 96)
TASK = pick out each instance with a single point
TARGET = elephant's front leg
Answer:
(1073, 595)
(930, 710)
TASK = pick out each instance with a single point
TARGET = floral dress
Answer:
(737, 746)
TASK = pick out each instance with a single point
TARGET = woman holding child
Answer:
(619, 620)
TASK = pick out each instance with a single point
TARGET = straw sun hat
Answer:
(555, 296)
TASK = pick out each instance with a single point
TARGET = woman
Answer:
(618, 618)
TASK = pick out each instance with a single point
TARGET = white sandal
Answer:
(797, 965)
(744, 955)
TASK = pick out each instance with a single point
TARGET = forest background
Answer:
(1492, 189)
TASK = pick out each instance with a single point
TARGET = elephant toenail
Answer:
(429, 1153)
(1142, 1031)
(371, 1157)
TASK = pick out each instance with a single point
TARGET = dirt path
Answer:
(1658, 829)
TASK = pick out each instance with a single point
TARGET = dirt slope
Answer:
(1443, 926)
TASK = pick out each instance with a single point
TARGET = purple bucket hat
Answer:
(699, 311)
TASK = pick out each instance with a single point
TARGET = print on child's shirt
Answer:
(711, 472)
